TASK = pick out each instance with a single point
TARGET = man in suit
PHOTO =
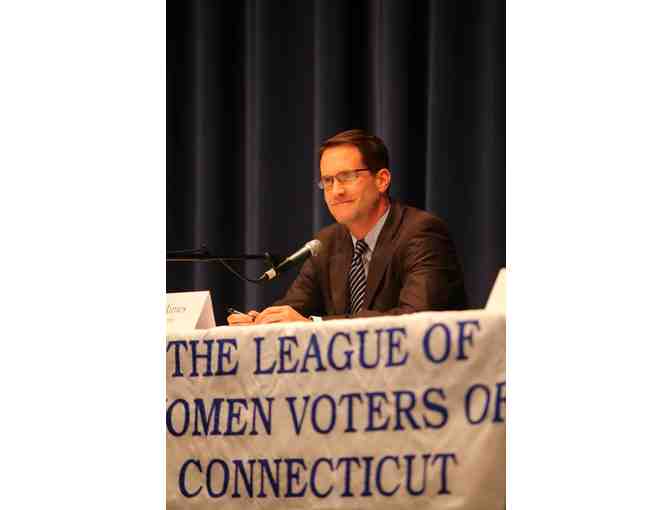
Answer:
(380, 258)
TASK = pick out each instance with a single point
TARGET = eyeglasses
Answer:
(344, 177)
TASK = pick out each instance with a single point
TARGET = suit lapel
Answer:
(382, 254)
(339, 267)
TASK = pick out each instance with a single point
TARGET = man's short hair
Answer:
(373, 150)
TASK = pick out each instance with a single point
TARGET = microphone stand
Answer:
(202, 254)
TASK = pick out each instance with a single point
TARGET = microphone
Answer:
(311, 248)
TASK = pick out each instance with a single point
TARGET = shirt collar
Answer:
(372, 237)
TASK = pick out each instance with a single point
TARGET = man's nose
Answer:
(337, 187)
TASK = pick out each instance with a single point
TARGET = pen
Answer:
(233, 310)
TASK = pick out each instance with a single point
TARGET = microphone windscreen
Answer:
(314, 246)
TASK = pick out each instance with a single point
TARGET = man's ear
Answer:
(383, 180)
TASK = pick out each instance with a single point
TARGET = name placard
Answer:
(186, 311)
(497, 299)
(381, 413)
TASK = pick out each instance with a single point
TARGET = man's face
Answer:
(353, 203)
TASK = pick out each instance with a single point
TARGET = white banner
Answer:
(386, 412)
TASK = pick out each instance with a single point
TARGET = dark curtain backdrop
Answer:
(255, 86)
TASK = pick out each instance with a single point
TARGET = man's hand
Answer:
(274, 314)
(242, 319)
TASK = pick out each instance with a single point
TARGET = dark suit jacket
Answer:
(414, 268)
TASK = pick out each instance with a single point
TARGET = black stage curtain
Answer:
(255, 86)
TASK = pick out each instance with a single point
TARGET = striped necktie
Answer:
(357, 277)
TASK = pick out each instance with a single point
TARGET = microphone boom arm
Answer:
(203, 255)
